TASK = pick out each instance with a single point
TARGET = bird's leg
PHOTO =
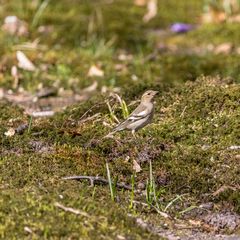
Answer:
(134, 135)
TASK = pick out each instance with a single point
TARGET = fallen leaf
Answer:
(134, 77)
(91, 88)
(24, 62)
(15, 26)
(151, 10)
(136, 167)
(10, 132)
(28, 230)
(224, 48)
(195, 222)
(140, 2)
(234, 19)
(125, 57)
(224, 188)
(214, 16)
(95, 71)
(120, 237)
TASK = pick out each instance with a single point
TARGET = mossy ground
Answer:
(188, 143)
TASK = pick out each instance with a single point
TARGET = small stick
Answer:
(42, 114)
(94, 180)
(181, 115)
(72, 210)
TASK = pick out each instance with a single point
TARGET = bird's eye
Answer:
(149, 94)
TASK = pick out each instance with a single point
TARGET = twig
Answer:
(88, 118)
(90, 109)
(42, 114)
(234, 147)
(93, 180)
(141, 203)
(72, 210)
(163, 214)
(224, 188)
(182, 113)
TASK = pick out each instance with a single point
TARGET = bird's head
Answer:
(148, 96)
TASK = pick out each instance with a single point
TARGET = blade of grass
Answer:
(29, 125)
(187, 209)
(171, 202)
(132, 192)
(123, 106)
(39, 12)
(112, 114)
(110, 182)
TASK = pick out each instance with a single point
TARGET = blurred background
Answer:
(72, 43)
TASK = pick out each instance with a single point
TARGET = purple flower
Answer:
(181, 27)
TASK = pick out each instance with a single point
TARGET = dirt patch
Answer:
(222, 221)
(40, 147)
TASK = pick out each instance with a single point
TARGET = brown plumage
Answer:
(140, 117)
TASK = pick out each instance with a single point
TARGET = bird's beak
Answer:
(155, 92)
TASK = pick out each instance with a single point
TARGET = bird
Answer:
(140, 117)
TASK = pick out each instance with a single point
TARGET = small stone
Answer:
(208, 205)
(141, 186)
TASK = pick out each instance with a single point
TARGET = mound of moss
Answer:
(190, 144)
(192, 140)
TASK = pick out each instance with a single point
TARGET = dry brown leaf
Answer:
(136, 167)
(15, 26)
(28, 230)
(195, 222)
(95, 71)
(24, 62)
(120, 237)
(224, 188)
(234, 19)
(224, 48)
(10, 132)
(214, 17)
(151, 10)
(91, 88)
(140, 2)
(125, 57)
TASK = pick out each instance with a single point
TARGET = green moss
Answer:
(216, 34)
(194, 125)
(189, 143)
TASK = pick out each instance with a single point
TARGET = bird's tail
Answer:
(118, 128)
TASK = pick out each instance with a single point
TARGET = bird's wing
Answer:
(140, 112)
